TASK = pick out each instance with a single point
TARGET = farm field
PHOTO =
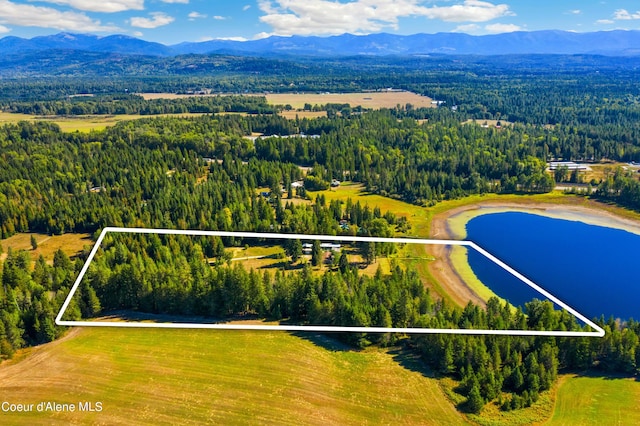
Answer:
(205, 377)
(84, 123)
(373, 100)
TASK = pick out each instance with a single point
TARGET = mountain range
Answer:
(611, 43)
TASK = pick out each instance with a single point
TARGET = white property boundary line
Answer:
(598, 333)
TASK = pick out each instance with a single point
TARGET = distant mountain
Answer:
(84, 42)
(612, 43)
(534, 42)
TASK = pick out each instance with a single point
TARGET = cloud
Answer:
(467, 28)
(47, 17)
(502, 28)
(195, 15)
(487, 29)
(101, 5)
(306, 17)
(605, 22)
(222, 38)
(246, 7)
(624, 15)
(575, 12)
(158, 19)
(4, 29)
(176, 1)
(219, 18)
(469, 11)
(232, 38)
(137, 34)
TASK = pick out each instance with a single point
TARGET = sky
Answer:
(174, 21)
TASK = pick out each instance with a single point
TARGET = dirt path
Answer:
(39, 359)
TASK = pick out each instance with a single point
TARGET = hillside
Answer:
(521, 42)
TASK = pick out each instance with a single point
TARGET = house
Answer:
(570, 165)
(307, 248)
(335, 182)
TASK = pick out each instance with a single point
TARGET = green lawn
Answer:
(590, 400)
(220, 377)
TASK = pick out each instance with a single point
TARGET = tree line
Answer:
(136, 104)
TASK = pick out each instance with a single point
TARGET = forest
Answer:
(205, 173)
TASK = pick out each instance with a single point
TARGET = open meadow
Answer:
(597, 400)
(47, 245)
(221, 377)
(83, 123)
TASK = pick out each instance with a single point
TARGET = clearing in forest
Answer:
(373, 100)
(326, 240)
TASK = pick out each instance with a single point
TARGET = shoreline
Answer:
(453, 272)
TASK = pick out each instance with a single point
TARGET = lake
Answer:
(593, 269)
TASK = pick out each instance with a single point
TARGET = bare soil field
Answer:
(374, 100)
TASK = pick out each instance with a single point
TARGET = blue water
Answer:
(594, 269)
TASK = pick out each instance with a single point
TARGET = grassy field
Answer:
(416, 215)
(592, 400)
(71, 244)
(272, 258)
(216, 377)
(291, 115)
(84, 123)
(489, 123)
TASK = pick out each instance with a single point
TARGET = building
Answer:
(307, 248)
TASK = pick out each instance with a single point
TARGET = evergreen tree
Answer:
(316, 253)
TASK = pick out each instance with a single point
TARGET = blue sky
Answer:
(174, 21)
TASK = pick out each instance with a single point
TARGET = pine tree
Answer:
(475, 401)
(316, 253)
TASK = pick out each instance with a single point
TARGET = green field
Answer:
(592, 400)
(221, 377)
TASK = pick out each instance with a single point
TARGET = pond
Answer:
(594, 269)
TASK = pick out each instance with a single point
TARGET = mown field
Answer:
(593, 400)
(373, 100)
(215, 377)
(71, 244)
(82, 123)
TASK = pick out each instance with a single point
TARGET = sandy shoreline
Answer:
(451, 225)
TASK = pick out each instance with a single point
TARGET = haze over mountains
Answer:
(612, 43)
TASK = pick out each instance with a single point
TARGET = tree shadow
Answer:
(327, 341)
(411, 361)
(605, 375)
